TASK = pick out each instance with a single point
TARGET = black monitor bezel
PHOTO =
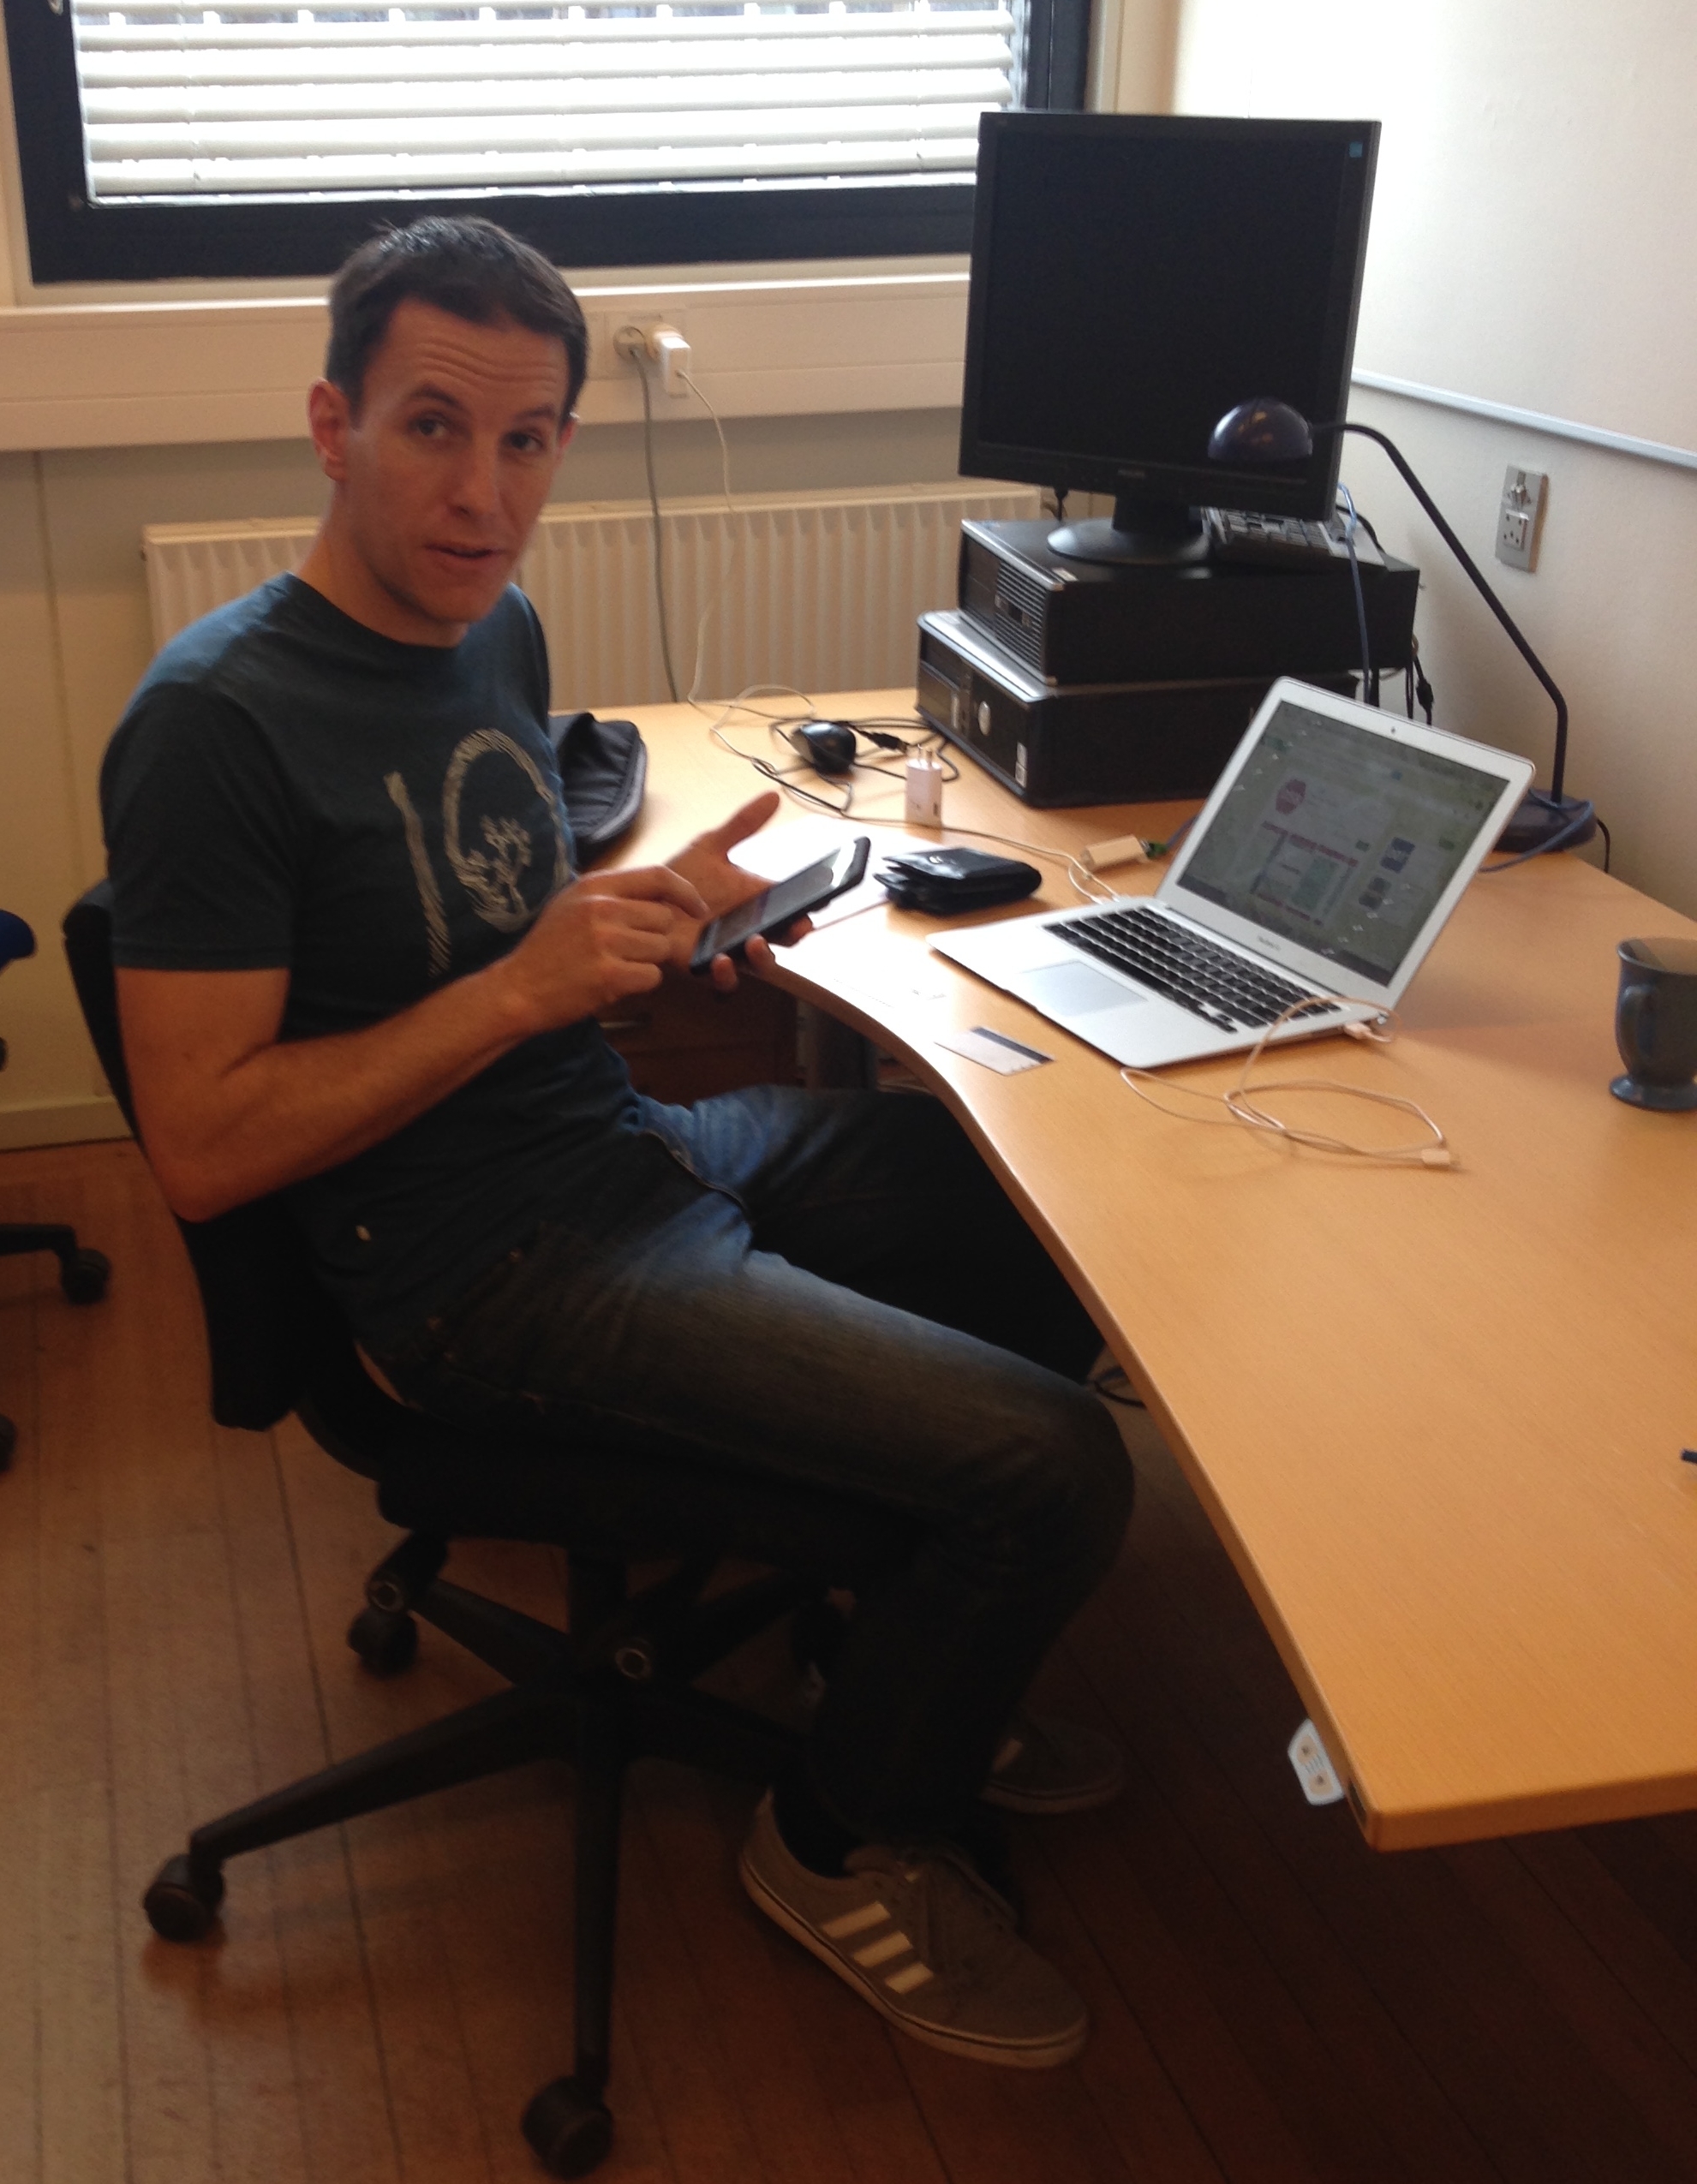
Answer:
(1125, 477)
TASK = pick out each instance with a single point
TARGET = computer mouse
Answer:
(827, 745)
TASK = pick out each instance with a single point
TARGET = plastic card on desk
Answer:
(994, 1049)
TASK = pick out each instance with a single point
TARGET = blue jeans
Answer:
(810, 1330)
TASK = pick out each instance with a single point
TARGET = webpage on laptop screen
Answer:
(1340, 838)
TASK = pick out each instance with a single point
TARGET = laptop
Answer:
(1335, 845)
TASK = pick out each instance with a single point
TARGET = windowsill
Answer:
(768, 341)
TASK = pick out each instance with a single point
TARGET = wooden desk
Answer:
(1436, 1417)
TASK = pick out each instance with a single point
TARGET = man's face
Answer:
(442, 473)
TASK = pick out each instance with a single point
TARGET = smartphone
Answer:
(783, 903)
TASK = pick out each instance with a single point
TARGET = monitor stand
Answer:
(1141, 534)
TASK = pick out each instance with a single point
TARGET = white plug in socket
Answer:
(670, 351)
(1314, 1769)
(664, 343)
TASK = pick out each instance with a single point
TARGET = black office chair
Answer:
(616, 1689)
(83, 1272)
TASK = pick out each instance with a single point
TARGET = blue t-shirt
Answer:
(289, 790)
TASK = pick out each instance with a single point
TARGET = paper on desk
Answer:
(787, 845)
(994, 1049)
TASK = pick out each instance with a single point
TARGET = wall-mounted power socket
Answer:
(664, 342)
(1519, 518)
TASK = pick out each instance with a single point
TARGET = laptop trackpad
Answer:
(1067, 989)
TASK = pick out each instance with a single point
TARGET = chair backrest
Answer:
(269, 1328)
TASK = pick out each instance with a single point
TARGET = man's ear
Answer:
(328, 418)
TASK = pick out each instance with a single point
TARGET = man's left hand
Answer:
(723, 886)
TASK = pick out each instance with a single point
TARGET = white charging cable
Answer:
(723, 586)
(1246, 1103)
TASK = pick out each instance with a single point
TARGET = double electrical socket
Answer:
(662, 341)
(609, 356)
(1520, 518)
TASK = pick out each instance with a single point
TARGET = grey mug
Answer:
(1656, 1023)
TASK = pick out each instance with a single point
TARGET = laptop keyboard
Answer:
(1226, 990)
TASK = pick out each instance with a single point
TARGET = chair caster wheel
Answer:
(385, 1639)
(84, 1278)
(180, 1907)
(569, 2131)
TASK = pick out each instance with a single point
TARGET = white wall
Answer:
(1532, 222)
(1531, 243)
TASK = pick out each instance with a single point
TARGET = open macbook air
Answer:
(1334, 845)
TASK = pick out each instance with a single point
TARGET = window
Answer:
(251, 137)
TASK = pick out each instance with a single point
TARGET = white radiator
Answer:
(819, 591)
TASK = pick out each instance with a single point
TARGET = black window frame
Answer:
(71, 240)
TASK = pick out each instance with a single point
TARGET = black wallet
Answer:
(944, 883)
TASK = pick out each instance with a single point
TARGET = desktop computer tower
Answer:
(1119, 742)
(1070, 622)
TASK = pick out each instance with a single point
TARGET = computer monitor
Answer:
(1134, 276)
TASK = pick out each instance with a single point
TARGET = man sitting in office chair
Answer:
(355, 964)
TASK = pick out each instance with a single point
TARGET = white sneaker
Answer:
(928, 1942)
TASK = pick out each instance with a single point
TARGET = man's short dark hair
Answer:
(470, 268)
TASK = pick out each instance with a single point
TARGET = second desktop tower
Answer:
(1075, 683)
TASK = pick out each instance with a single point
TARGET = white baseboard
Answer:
(60, 1122)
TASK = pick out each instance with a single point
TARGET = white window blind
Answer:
(252, 98)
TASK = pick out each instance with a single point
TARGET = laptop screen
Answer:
(1340, 838)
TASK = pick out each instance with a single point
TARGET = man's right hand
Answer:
(229, 1110)
(605, 937)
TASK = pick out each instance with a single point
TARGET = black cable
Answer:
(1584, 816)
(787, 729)
(929, 740)
(889, 747)
(1423, 693)
(1370, 681)
(659, 529)
(1475, 577)
(787, 782)
(1115, 1373)
(1607, 843)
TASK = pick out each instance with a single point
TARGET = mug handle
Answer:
(1634, 1002)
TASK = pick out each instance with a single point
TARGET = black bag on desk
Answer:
(603, 770)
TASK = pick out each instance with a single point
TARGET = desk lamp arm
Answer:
(1558, 768)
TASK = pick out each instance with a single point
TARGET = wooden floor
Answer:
(1273, 2003)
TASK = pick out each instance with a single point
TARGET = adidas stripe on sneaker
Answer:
(928, 1942)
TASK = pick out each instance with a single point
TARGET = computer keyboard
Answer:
(1226, 990)
(1236, 535)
